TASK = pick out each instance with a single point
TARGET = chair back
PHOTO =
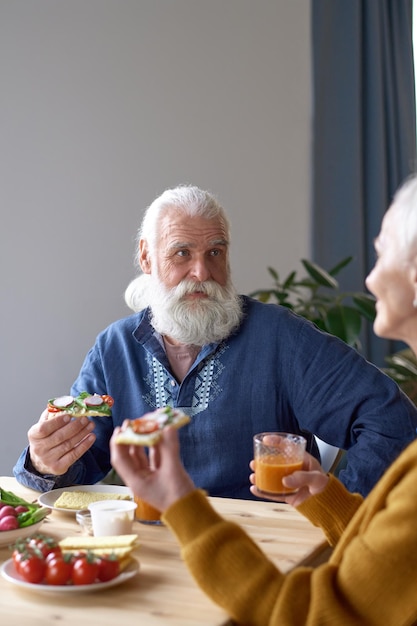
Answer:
(330, 455)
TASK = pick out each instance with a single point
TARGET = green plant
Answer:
(318, 298)
(402, 367)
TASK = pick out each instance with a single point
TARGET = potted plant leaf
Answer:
(318, 298)
(402, 367)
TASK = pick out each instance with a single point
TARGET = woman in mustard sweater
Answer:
(370, 579)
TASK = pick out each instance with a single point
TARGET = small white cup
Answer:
(112, 517)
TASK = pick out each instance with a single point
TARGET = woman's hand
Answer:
(309, 481)
(160, 479)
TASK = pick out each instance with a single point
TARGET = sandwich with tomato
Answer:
(85, 404)
(147, 430)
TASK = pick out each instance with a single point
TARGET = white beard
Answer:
(197, 322)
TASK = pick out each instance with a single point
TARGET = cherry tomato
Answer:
(17, 556)
(85, 570)
(32, 568)
(45, 545)
(58, 569)
(108, 400)
(143, 426)
(53, 409)
(53, 553)
(75, 556)
(108, 568)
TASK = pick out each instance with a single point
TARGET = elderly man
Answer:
(235, 365)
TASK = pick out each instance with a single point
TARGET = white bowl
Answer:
(8, 537)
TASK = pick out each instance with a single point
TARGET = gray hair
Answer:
(190, 200)
(405, 202)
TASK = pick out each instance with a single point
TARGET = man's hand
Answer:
(160, 479)
(309, 481)
(56, 443)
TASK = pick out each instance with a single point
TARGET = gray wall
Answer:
(104, 104)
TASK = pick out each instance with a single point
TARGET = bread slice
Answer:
(77, 500)
(147, 430)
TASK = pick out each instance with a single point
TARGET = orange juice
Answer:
(270, 470)
(146, 513)
(276, 455)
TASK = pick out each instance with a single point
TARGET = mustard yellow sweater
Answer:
(370, 579)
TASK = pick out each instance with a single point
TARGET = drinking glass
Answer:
(276, 455)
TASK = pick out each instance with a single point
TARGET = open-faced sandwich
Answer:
(85, 404)
(146, 430)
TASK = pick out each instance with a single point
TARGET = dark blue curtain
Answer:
(364, 132)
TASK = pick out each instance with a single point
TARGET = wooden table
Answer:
(163, 592)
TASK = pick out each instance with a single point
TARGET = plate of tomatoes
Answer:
(40, 565)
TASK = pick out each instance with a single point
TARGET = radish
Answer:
(95, 400)
(63, 401)
(20, 509)
(9, 522)
(7, 510)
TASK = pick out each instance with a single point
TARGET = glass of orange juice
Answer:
(146, 513)
(277, 455)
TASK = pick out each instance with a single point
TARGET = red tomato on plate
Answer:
(32, 568)
(58, 570)
(108, 568)
(85, 570)
(45, 545)
(17, 556)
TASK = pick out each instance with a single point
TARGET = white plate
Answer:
(8, 537)
(49, 498)
(9, 573)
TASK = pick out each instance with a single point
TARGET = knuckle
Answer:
(66, 446)
(57, 469)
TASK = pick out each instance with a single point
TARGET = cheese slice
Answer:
(78, 500)
(120, 553)
(112, 542)
(119, 546)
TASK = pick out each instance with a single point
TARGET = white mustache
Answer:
(209, 288)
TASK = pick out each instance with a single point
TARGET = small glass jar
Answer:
(83, 517)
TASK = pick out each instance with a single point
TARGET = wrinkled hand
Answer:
(309, 481)
(56, 443)
(160, 479)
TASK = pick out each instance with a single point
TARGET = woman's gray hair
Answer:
(405, 202)
(188, 199)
